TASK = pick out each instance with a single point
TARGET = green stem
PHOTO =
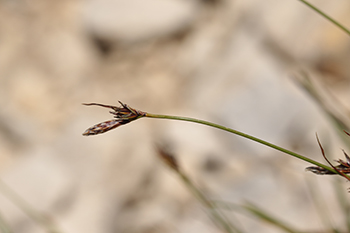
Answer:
(327, 17)
(242, 135)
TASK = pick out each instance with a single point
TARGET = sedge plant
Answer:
(126, 114)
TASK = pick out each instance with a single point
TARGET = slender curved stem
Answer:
(347, 31)
(242, 135)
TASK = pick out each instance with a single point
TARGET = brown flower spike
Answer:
(123, 115)
(343, 167)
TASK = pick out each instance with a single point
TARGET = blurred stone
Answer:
(135, 20)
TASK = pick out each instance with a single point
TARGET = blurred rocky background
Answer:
(232, 62)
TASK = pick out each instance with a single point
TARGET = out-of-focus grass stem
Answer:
(320, 204)
(257, 212)
(42, 220)
(326, 16)
(216, 215)
(343, 202)
(4, 226)
(218, 218)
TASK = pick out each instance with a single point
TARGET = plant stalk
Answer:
(258, 140)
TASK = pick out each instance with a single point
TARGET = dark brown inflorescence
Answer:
(343, 167)
(123, 115)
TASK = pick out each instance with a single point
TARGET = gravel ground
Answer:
(230, 62)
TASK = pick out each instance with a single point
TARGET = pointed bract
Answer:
(343, 167)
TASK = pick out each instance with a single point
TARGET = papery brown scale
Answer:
(102, 127)
(319, 171)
